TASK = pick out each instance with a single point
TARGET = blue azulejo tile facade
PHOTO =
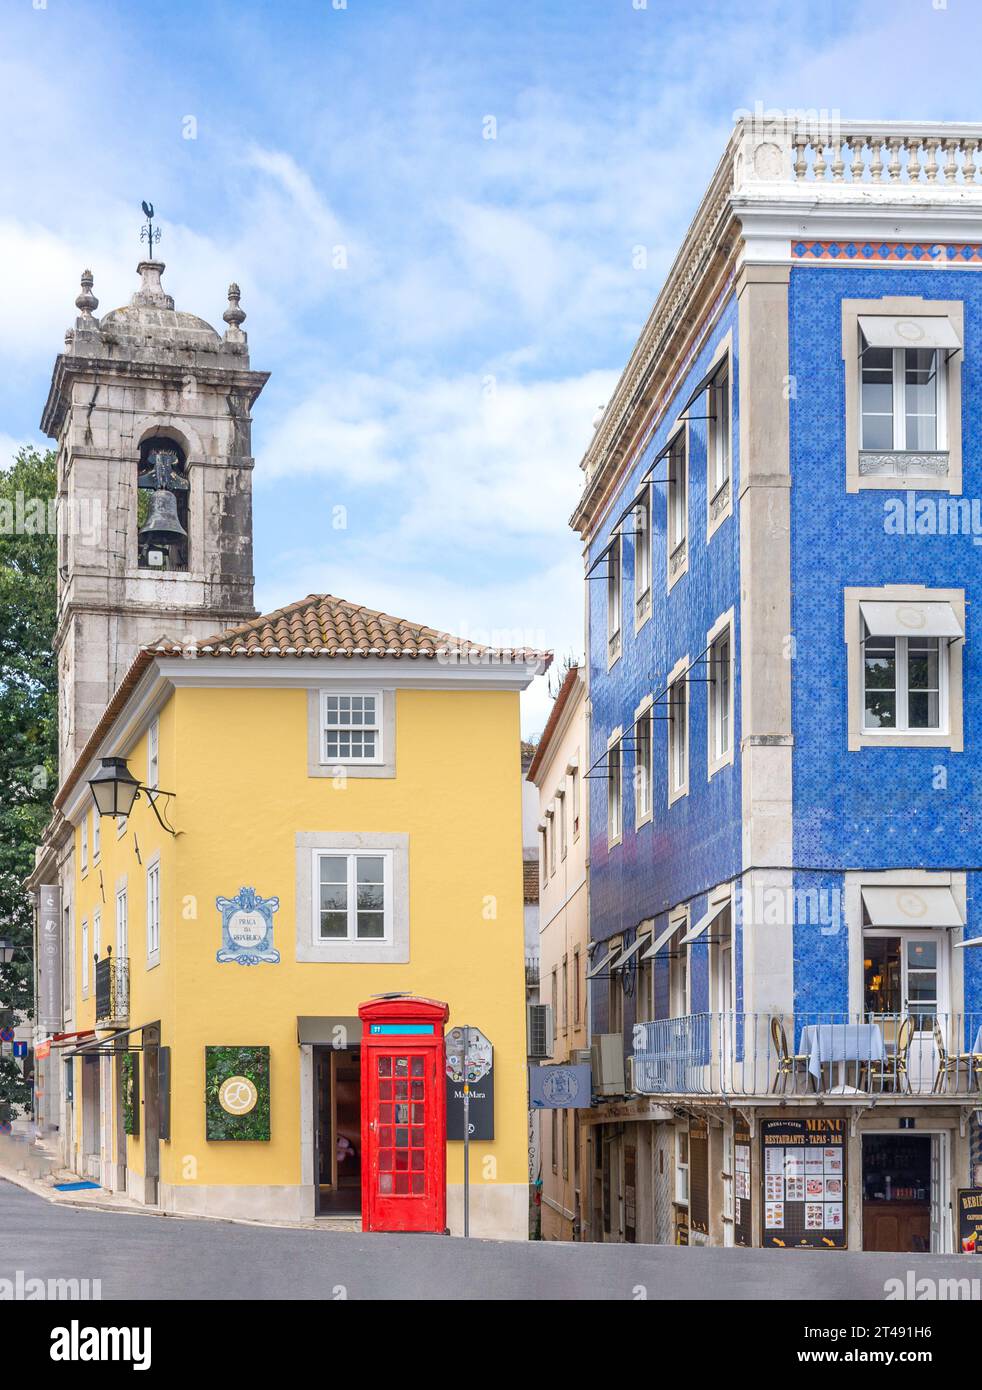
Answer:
(690, 847)
(873, 808)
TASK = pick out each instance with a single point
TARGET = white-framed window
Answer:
(68, 962)
(96, 834)
(544, 851)
(614, 600)
(565, 1013)
(718, 462)
(561, 822)
(122, 925)
(153, 913)
(905, 684)
(352, 726)
(642, 556)
(720, 698)
(554, 1141)
(153, 760)
(614, 790)
(903, 395)
(354, 896)
(574, 790)
(553, 836)
(678, 502)
(97, 934)
(576, 985)
(85, 957)
(84, 844)
(678, 737)
(682, 1165)
(642, 766)
(678, 974)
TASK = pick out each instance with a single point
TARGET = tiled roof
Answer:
(531, 880)
(323, 625)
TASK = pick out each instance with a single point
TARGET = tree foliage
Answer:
(28, 709)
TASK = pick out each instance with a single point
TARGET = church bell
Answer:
(162, 525)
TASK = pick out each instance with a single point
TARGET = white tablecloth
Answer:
(841, 1042)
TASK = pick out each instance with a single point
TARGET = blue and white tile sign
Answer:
(247, 928)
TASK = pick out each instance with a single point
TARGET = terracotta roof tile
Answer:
(531, 880)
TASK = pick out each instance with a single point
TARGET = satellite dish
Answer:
(148, 209)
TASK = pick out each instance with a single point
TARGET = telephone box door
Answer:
(404, 1143)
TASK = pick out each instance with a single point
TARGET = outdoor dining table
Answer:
(841, 1042)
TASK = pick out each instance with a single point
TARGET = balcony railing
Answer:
(112, 991)
(835, 1055)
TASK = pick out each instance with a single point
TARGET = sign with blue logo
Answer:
(6, 1035)
(560, 1087)
(402, 1029)
(247, 928)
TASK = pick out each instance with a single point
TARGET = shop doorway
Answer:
(337, 1130)
(91, 1118)
(905, 1187)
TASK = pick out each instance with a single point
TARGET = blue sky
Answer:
(440, 385)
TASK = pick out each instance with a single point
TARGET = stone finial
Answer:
(234, 316)
(86, 302)
(151, 292)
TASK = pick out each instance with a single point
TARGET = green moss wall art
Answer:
(130, 1063)
(237, 1093)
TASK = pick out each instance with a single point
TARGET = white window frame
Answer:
(551, 837)
(615, 790)
(898, 414)
(377, 727)
(677, 506)
(614, 589)
(902, 688)
(352, 857)
(84, 845)
(561, 821)
(96, 835)
(97, 934)
(678, 786)
(122, 921)
(153, 912)
(642, 558)
(682, 1165)
(574, 786)
(85, 957)
(718, 754)
(679, 959)
(644, 763)
(719, 449)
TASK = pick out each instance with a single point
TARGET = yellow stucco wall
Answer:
(237, 760)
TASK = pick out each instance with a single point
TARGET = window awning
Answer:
(605, 961)
(890, 331)
(932, 619)
(660, 941)
(704, 922)
(912, 907)
(642, 939)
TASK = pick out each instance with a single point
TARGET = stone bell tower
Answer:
(150, 408)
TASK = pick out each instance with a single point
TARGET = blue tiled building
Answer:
(781, 525)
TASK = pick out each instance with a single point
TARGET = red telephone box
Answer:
(403, 1115)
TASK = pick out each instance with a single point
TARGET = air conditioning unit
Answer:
(581, 1056)
(540, 1033)
(607, 1062)
(632, 1089)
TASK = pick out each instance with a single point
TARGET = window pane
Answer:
(921, 398)
(334, 897)
(877, 398)
(334, 868)
(371, 926)
(880, 663)
(334, 925)
(370, 869)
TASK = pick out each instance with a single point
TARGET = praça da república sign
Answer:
(804, 1178)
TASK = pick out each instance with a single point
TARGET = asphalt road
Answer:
(153, 1257)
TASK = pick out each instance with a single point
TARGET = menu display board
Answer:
(742, 1234)
(970, 1220)
(804, 1183)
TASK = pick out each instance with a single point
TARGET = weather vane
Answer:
(150, 234)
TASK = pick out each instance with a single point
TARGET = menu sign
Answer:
(741, 1185)
(970, 1220)
(804, 1183)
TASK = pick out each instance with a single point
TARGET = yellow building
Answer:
(345, 792)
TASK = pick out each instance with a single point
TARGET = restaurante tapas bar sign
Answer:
(804, 1200)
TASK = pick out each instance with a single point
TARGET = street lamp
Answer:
(7, 949)
(115, 789)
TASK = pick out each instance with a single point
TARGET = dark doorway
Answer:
(897, 1192)
(337, 1130)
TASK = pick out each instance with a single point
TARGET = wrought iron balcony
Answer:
(846, 1057)
(112, 991)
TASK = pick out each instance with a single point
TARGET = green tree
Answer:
(28, 711)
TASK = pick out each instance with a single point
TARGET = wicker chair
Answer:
(893, 1068)
(788, 1064)
(951, 1063)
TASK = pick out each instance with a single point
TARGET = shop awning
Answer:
(912, 907)
(704, 922)
(911, 619)
(660, 941)
(106, 1046)
(921, 331)
(642, 939)
(325, 1030)
(604, 963)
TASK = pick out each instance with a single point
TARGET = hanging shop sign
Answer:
(50, 1003)
(237, 1093)
(559, 1087)
(804, 1182)
(970, 1220)
(247, 928)
(475, 1060)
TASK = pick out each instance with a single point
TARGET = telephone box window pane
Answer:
(402, 1066)
(385, 1066)
(385, 1090)
(402, 1160)
(417, 1113)
(419, 1184)
(402, 1114)
(417, 1066)
(402, 1090)
(386, 1159)
(402, 1184)
(419, 1138)
(385, 1136)
(417, 1090)
(418, 1159)
(385, 1113)
(402, 1139)
(385, 1183)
